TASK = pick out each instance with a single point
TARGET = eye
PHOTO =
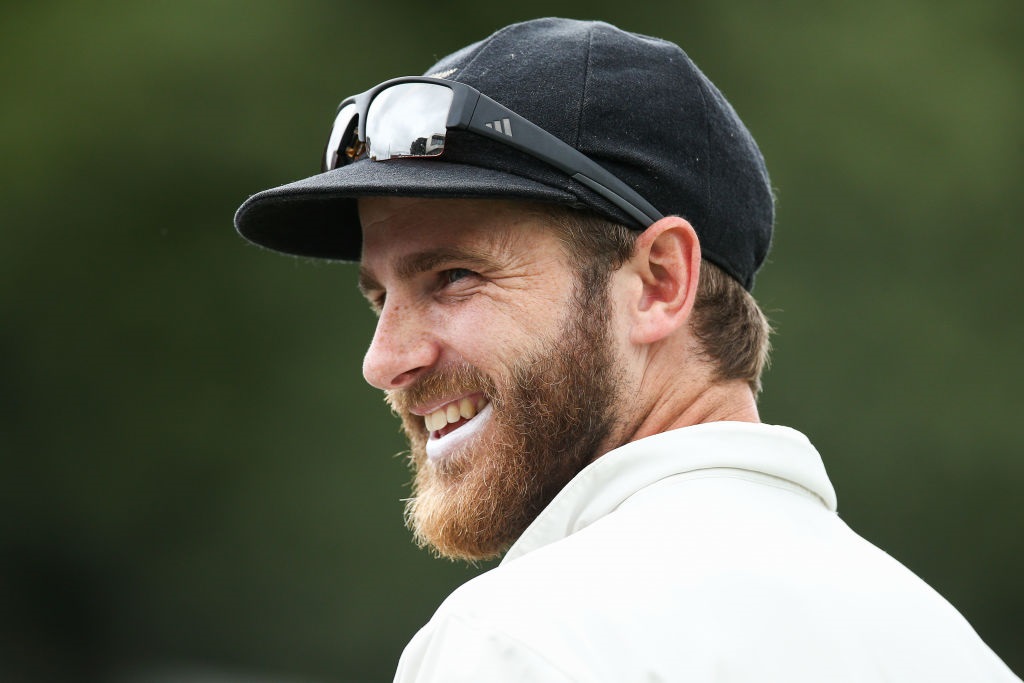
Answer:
(453, 275)
(375, 299)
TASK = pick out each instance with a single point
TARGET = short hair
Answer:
(732, 330)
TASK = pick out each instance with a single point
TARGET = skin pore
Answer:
(507, 377)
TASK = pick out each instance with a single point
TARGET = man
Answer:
(558, 229)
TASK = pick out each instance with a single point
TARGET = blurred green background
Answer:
(197, 485)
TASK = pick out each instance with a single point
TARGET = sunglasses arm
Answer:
(493, 120)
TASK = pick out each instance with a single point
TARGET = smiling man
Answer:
(559, 229)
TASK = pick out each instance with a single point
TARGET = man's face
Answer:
(502, 371)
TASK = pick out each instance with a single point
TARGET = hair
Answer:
(732, 331)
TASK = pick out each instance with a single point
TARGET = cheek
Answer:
(494, 334)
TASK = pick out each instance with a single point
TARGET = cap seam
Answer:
(586, 87)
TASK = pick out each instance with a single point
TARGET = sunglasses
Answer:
(409, 118)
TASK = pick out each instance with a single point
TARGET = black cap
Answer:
(637, 105)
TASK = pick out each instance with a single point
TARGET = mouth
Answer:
(451, 416)
(454, 422)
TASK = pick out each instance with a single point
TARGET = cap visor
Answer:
(318, 217)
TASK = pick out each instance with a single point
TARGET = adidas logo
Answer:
(502, 126)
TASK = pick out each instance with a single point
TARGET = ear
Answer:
(666, 265)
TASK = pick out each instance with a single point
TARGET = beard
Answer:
(552, 412)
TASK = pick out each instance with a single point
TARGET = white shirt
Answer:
(709, 553)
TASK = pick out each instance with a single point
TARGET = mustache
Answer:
(441, 383)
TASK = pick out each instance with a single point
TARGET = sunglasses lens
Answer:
(408, 120)
(341, 137)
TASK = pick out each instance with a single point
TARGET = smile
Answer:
(453, 423)
(450, 417)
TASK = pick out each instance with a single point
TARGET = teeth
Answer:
(435, 421)
(463, 409)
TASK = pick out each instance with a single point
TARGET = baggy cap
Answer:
(637, 105)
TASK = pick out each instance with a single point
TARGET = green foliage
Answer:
(195, 477)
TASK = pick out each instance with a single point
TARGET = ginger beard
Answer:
(552, 410)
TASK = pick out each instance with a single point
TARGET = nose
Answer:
(402, 348)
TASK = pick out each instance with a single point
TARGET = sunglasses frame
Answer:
(473, 111)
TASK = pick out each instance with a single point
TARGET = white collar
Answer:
(608, 481)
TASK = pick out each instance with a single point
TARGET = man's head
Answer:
(538, 309)
(511, 362)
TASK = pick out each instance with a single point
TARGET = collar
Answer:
(608, 481)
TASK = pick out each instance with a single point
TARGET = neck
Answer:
(719, 402)
(681, 406)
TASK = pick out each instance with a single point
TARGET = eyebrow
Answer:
(422, 261)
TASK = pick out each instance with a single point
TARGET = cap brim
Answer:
(318, 217)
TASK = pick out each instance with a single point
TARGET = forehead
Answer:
(396, 227)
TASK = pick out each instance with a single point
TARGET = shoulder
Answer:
(526, 620)
(567, 611)
(630, 593)
(518, 622)
(457, 647)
